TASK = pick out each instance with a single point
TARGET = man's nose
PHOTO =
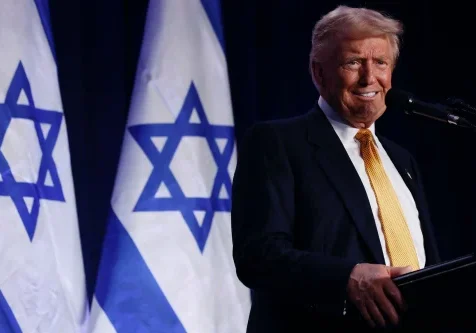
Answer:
(367, 76)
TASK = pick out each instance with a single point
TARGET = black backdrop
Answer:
(267, 46)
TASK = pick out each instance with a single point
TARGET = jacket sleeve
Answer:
(263, 213)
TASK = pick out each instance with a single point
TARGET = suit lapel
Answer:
(332, 157)
(403, 170)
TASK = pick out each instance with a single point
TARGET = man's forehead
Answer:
(359, 46)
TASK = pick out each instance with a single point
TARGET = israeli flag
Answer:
(167, 257)
(42, 283)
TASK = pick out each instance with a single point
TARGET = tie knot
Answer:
(364, 136)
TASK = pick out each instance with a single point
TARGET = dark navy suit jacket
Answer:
(301, 220)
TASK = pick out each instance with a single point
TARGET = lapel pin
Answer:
(408, 173)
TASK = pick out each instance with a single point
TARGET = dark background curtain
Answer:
(267, 47)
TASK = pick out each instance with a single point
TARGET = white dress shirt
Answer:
(346, 134)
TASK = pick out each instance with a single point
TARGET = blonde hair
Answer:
(347, 22)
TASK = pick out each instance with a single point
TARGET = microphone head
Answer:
(397, 98)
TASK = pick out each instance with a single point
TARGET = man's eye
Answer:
(352, 64)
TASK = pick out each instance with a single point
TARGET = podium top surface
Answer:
(444, 268)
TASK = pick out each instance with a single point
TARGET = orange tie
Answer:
(399, 243)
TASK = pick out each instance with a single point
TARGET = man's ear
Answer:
(318, 74)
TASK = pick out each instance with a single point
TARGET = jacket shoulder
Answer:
(284, 127)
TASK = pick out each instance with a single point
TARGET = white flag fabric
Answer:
(42, 283)
(167, 258)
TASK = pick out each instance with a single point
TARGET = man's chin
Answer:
(362, 122)
(367, 117)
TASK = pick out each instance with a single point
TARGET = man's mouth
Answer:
(369, 94)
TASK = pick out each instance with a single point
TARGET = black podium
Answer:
(441, 298)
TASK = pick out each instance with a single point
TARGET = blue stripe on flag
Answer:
(8, 322)
(44, 12)
(213, 9)
(127, 290)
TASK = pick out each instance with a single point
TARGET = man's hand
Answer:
(373, 292)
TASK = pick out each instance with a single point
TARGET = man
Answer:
(325, 211)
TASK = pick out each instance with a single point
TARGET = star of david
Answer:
(48, 184)
(162, 173)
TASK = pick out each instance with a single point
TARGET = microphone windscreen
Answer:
(398, 98)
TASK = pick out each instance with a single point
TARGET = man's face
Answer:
(355, 80)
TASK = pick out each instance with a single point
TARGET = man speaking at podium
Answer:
(325, 211)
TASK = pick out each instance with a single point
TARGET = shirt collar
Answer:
(345, 132)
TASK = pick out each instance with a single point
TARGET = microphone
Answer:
(411, 105)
